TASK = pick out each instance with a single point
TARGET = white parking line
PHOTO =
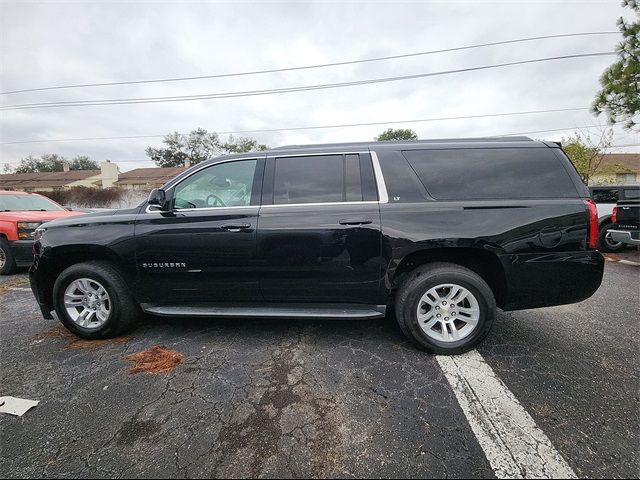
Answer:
(510, 438)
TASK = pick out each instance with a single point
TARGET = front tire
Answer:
(7, 261)
(93, 301)
(445, 308)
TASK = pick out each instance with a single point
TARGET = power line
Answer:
(211, 96)
(311, 127)
(307, 67)
(146, 160)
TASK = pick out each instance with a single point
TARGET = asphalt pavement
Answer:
(282, 398)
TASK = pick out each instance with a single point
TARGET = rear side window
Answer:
(491, 173)
(318, 179)
(604, 195)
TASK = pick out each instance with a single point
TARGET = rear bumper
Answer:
(545, 280)
(625, 236)
(22, 251)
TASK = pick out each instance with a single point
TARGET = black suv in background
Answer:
(439, 233)
(606, 198)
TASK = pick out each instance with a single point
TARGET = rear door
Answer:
(319, 236)
(204, 248)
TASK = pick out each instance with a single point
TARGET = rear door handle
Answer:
(235, 227)
(356, 221)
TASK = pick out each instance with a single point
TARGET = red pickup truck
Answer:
(20, 214)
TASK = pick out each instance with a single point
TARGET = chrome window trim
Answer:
(199, 209)
(319, 204)
(317, 154)
(383, 196)
(377, 172)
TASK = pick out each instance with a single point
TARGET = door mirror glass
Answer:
(157, 197)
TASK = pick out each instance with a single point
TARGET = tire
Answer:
(604, 244)
(118, 302)
(420, 282)
(7, 260)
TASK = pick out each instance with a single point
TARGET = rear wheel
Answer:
(7, 262)
(445, 308)
(93, 301)
(606, 243)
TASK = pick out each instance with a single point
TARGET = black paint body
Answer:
(532, 251)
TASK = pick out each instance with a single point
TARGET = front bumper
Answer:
(625, 236)
(22, 251)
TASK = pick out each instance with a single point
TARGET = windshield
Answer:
(15, 203)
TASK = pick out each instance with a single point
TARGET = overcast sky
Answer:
(57, 43)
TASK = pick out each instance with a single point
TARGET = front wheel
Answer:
(93, 301)
(445, 308)
(7, 262)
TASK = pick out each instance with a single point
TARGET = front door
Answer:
(319, 236)
(203, 249)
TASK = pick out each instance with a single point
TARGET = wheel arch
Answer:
(484, 263)
(60, 258)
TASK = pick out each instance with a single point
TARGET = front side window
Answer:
(317, 179)
(223, 185)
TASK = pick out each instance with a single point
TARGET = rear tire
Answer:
(461, 297)
(606, 244)
(7, 260)
(93, 301)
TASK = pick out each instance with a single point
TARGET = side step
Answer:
(311, 310)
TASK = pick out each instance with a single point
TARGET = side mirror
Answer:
(157, 198)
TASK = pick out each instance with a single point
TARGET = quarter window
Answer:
(223, 185)
(491, 173)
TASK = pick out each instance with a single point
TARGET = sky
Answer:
(52, 43)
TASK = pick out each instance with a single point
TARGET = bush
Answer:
(87, 197)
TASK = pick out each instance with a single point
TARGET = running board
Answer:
(316, 310)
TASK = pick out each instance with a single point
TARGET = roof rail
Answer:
(399, 142)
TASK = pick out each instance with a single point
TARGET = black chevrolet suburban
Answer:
(437, 233)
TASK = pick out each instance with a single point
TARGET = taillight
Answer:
(593, 224)
(614, 215)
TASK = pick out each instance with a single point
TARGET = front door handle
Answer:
(356, 221)
(235, 227)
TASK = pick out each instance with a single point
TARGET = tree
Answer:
(620, 94)
(587, 154)
(397, 134)
(197, 146)
(242, 144)
(82, 162)
(49, 162)
(52, 162)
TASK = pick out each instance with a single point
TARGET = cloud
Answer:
(55, 43)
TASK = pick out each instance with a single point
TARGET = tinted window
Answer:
(605, 195)
(631, 194)
(491, 173)
(317, 179)
(223, 185)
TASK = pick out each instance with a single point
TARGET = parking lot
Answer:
(314, 399)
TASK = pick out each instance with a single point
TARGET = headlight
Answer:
(37, 235)
(28, 225)
(25, 229)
